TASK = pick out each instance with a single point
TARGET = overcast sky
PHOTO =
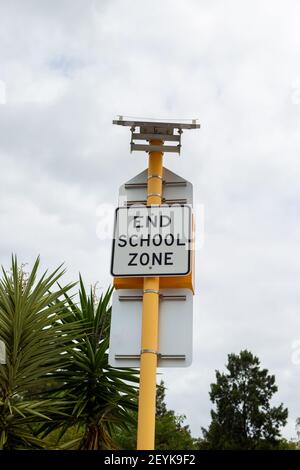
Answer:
(68, 67)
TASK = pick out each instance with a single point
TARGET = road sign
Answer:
(175, 328)
(152, 264)
(176, 190)
(152, 241)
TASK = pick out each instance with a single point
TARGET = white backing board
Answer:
(175, 328)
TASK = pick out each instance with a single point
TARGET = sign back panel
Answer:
(175, 328)
(176, 190)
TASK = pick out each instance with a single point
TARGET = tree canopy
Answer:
(56, 380)
(243, 417)
(171, 432)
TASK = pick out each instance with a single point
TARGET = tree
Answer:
(161, 407)
(170, 434)
(100, 398)
(32, 328)
(56, 383)
(244, 417)
(297, 427)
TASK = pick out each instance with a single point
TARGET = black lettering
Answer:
(168, 261)
(137, 221)
(159, 236)
(133, 256)
(146, 256)
(147, 239)
(150, 221)
(168, 222)
(178, 241)
(171, 236)
(157, 257)
(131, 242)
(122, 241)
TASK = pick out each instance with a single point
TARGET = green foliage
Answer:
(284, 444)
(56, 389)
(161, 407)
(100, 398)
(171, 433)
(244, 417)
(69, 441)
(33, 328)
(297, 426)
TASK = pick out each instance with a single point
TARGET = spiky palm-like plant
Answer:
(101, 397)
(36, 335)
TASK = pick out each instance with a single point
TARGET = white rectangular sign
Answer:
(152, 241)
(175, 328)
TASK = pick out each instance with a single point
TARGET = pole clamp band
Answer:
(154, 194)
(151, 291)
(154, 176)
(150, 351)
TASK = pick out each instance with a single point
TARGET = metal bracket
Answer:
(168, 184)
(153, 131)
(143, 202)
(153, 176)
(155, 148)
(151, 291)
(150, 351)
(154, 194)
(179, 357)
(139, 298)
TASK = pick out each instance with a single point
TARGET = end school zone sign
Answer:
(152, 241)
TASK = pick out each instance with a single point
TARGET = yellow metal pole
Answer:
(150, 317)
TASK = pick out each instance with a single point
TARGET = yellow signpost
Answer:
(155, 133)
(150, 312)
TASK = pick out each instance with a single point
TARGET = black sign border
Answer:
(151, 275)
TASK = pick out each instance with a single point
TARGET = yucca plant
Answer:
(36, 334)
(101, 398)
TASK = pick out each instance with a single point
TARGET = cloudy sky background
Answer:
(68, 67)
